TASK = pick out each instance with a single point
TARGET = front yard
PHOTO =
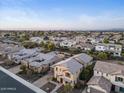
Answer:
(48, 87)
(31, 77)
(8, 64)
(62, 89)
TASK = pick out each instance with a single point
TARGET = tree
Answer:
(29, 73)
(87, 73)
(102, 56)
(90, 52)
(24, 37)
(42, 44)
(29, 44)
(24, 69)
(122, 54)
(51, 46)
(8, 62)
(106, 41)
(48, 45)
(67, 88)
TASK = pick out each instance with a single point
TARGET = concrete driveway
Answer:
(15, 69)
(42, 81)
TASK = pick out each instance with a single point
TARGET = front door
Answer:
(113, 87)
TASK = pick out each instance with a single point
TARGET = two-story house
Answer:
(67, 71)
(113, 48)
(107, 77)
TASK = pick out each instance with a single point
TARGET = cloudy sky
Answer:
(61, 14)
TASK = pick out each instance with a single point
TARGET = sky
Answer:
(62, 14)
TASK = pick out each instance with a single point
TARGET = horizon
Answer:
(61, 15)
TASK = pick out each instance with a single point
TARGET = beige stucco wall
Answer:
(60, 73)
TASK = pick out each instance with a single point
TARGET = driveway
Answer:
(15, 69)
(42, 81)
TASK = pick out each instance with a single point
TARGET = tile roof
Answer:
(83, 58)
(101, 82)
(42, 59)
(109, 68)
(71, 64)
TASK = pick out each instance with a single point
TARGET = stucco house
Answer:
(6, 50)
(42, 62)
(113, 48)
(107, 77)
(36, 39)
(24, 54)
(67, 71)
(67, 43)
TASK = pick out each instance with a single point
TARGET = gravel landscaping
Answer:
(8, 66)
(48, 87)
(74, 90)
(30, 78)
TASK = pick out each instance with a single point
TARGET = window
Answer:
(56, 69)
(66, 82)
(118, 79)
(67, 75)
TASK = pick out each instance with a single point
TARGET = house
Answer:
(94, 40)
(112, 48)
(27, 61)
(2, 47)
(99, 84)
(67, 43)
(23, 54)
(36, 39)
(83, 59)
(107, 77)
(42, 61)
(6, 50)
(67, 71)
(85, 46)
